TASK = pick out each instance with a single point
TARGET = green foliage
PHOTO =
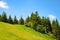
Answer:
(48, 25)
(21, 21)
(40, 28)
(39, 20)
(35, 22)
(43, 21)
(0, 18)
(34, 19)
(56, 29)
(15, 20)
(27, 19)
(4, 17)
(30, 24)
(10, 20)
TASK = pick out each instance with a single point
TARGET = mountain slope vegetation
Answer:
(20, 32)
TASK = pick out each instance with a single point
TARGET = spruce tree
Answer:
(0, 18)
(43, 23)
(56, 29)
(21, 21)
(4, 17)
(15, 20)
(34, 19)
(48, 25)
(10, 20)
(27, 19)
(39, 20)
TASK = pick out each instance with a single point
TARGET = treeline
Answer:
(3, 18)
(34, 21)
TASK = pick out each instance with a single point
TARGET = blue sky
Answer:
(50, 8)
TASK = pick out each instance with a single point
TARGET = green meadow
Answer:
(20, 32)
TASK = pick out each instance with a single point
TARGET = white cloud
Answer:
(52, 17)
(3, 5)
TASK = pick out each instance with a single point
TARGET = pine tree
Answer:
(27, 19)
(48, 25)
(39, 20)
(32, 14)
(34, 19)
(21, 21)
(15, 20)
(0, 18)
(43, 21)
(4, 17)
(10, 20)
(56, 29)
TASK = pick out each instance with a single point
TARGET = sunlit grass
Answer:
(20, 32)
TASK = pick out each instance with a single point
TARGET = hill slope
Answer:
(20, 32)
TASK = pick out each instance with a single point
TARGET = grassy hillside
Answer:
(20, 32)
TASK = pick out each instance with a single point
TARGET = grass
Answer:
(20, 32)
